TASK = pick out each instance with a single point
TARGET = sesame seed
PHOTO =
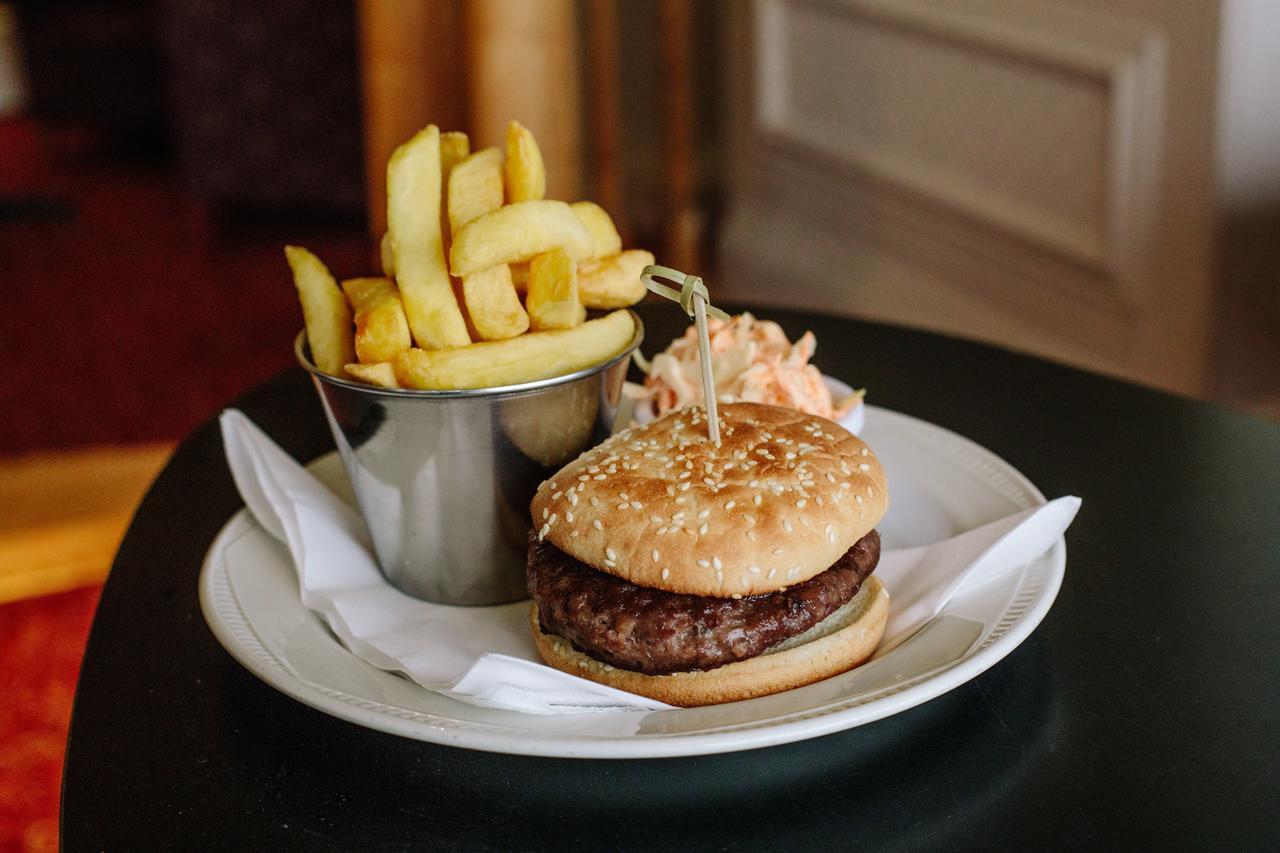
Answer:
(610, 564)
(747, 517)
(800, 503)
(543, 532)
(862, 466)
(545, 512)
(585, 477)
(656, 519)
(736, 595)
(755, 570)
(595, 501)
(864, 451)
(831, 537)
(719, 577)
(573, 499)
(610, 553)
(703, 514)
(654, 555)
(601, 477)
(756, 500)
(702, 531)
(772, 572)
(671, 491)
(684, 487)
(858, 498)
(677, 516)
(729, 504)
(715, 561)
(793, 572)
(778, 550)
(680, 499)
(666, 573)
(790, 455)
(552, 519)
(683, 475)
(556, 496)
(597, 524)
(568, 516)
(572, 533)
(786, 525)
(751, 534)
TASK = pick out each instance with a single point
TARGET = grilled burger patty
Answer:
(655, 632)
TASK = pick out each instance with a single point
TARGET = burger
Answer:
(694, 573)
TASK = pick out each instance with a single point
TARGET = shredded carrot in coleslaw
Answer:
(753, 362)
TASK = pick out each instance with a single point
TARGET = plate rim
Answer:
(489, 737)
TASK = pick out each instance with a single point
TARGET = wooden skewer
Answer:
(704, 359)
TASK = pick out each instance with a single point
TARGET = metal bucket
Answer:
(444, 478)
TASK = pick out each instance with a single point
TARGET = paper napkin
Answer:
(485, 655)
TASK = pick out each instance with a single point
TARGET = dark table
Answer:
(1144, 713)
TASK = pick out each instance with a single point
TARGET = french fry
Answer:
(536, 355)
(454, 148)
(526, 177)
(413, 220)
(324, 311)
(601, 226)
(552, 299)
(493, 307)
(613, 282)
(493, 304)
(387, 257)
(381, 328)
(475, 187)
(381, 373)
(517, 232)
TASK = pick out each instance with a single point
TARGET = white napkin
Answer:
(484, 655)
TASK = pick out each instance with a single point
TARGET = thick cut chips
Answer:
(381, 328)
(552, 299)
(613, 282)
(493, 304)
(413, 220)
(600, 224)
(526, 177)
(324, 311)
(382, 374)
(537, 355)
(517, 232)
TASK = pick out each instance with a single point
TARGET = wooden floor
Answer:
(65, 513)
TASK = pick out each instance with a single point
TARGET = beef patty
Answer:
(655, 632)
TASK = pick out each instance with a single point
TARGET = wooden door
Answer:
(1036, 173)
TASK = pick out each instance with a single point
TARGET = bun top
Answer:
(781, 499)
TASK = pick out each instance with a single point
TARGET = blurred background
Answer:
(1093, 181)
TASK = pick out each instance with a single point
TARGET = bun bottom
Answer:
(837, 644)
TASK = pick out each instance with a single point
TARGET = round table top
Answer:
(1142, 712)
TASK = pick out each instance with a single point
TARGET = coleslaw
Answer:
(753, 361)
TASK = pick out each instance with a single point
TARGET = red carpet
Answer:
(41, 643)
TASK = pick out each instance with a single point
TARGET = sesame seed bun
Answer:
(840, 642)
(781, 499)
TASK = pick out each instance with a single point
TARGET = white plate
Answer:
(941, 484)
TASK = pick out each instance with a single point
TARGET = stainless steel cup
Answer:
(444, 478)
